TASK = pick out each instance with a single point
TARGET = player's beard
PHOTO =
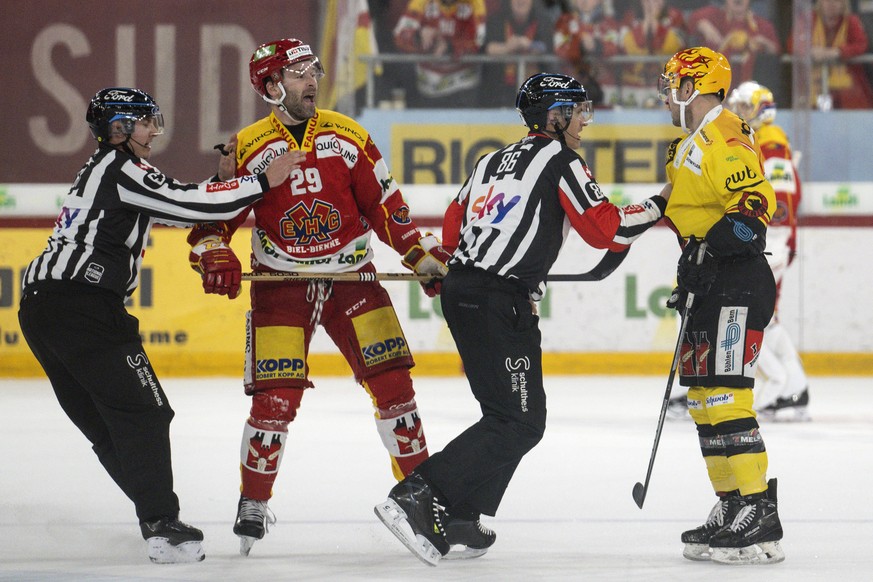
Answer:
(298, 108)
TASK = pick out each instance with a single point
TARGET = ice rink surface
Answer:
(568, 513)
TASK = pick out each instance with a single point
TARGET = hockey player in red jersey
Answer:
(319, 221)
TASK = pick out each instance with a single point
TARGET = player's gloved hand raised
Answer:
(693, 277)
(216, 262)
(428, 257)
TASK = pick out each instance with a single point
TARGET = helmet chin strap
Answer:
(280, 104)
(682, 105)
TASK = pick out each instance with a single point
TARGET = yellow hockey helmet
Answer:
(709, 70)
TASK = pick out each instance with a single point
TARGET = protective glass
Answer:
(665, 86)
(300, 70)
(584, 109)
(154, 122)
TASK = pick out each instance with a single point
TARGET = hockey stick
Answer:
(348, 276)
(608, 264)
(640, 489)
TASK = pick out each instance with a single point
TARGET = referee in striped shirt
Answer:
(72, 310)
(507, 225)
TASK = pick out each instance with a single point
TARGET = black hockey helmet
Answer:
(121, 104)
(545, 91)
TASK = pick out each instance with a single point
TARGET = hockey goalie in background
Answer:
(781, 389)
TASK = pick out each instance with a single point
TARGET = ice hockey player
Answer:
(781, 386)
(321, 221)
(720, 208)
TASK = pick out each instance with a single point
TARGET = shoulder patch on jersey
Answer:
(753, 204)
(401, 215)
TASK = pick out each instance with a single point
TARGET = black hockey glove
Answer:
(677, 299)
(693, 277)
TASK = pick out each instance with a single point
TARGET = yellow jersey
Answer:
(717, 173)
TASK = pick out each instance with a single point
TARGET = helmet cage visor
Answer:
(299, 70)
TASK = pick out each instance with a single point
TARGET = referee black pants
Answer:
(91, 351)
(499, 341)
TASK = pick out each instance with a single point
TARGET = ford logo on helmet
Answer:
(555, 82)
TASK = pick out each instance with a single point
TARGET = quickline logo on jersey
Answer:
(493, 204)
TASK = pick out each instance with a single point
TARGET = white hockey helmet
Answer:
(754, 103)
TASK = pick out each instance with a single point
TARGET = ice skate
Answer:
(253, 521)
(793, 408)
(697, 540)
(413, 515)
(172, 542)
(753, 536)
(467, 538)
(677, 409)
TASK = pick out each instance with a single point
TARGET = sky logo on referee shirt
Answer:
(494, 205)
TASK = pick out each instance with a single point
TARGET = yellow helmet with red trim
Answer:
(709, 70)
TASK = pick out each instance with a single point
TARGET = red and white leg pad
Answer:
(402, 434)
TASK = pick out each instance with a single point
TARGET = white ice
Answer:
(567, 515)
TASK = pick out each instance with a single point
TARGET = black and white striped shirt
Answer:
(513, 213)
(100, 235)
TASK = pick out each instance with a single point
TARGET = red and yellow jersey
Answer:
(666, 39)
(460, 24)
(572, 28)
(717, 172)
(780, 170)
(321, 218)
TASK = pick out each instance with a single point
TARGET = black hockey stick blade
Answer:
(639, 494)
(609, 263)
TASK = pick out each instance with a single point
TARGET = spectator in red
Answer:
(518, 28)
(582, 36)
(443, 28)
(734, 30)
(653, 28)
(838, 35)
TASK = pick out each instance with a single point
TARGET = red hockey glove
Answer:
(219, 267)
(428, 257)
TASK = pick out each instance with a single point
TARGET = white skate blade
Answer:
(395, 520)
(462, 552)
(763, 553)
(161, 551)
(245, 544)
(697, 552)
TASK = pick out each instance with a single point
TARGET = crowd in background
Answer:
(616, 48)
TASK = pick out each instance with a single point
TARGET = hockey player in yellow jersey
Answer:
(781, 387)
(721, 202)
